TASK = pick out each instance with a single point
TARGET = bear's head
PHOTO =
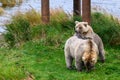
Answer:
(82, 27)
(89, 59)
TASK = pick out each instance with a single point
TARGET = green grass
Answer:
(48, 63)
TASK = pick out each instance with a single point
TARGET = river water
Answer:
(109, 6)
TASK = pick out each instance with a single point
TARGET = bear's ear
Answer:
(76, 22)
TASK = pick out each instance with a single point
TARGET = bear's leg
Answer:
(78, 64)
(101, 54)
(69, 61)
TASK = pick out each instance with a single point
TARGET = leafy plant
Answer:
(107, 27)
(18, 32)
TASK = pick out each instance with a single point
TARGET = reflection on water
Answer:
(111, 6)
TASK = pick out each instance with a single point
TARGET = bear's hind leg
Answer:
(78, 65)
(69, 61)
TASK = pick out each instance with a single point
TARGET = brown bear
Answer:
(85, 31)
(83, 51)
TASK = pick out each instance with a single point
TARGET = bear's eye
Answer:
(85, 25)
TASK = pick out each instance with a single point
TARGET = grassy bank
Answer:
(35, 50)
(47, 63)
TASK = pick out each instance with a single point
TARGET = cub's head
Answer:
(82, 27)
(89, 60)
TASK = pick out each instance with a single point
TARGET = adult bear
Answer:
(81, 50)
(85, 31)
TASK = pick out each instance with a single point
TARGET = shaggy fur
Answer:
(84, 31)
(85, 51)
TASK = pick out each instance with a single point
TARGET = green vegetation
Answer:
(1, 11)
(10, 3)
(32, 16)
(107, 27)
(37, 49)
(22, 25)
(27, 26)
(18, 32)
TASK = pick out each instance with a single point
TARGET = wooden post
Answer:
(77, 7)
(45, 13)
(86, 11)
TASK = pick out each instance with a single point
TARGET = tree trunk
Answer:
(77, 7)
(86, 11)
(45, 11)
